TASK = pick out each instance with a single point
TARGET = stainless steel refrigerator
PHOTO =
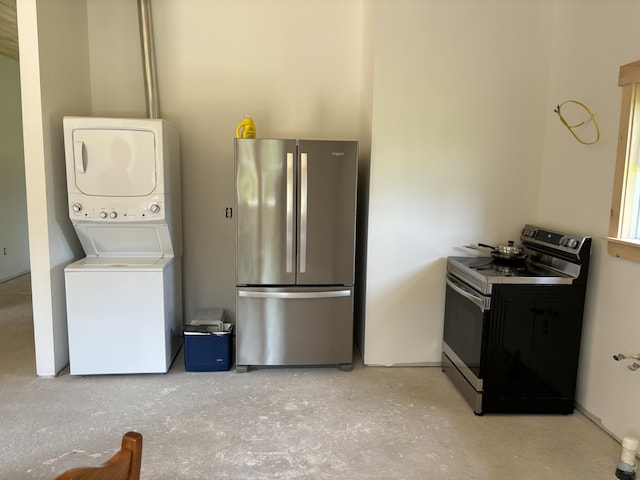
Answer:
(295, 256)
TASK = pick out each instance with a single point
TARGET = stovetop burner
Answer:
(508, 269)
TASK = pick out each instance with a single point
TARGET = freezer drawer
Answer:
(294, 326)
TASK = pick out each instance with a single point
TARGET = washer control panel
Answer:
(116, 209)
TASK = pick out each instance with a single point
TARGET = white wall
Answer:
(13, 207)
(54, 81)
(459, 101)
(115, 59)
(295, 65)
(591, 41)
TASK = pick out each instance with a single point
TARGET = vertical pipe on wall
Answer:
(148, 58)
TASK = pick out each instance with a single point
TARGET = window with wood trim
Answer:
(624, 228)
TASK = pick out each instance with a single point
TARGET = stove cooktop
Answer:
(483, 272)
(552, 258)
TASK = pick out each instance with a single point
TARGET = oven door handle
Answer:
(482, 303)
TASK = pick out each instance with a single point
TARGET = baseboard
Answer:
(597, 421)
(417, 364)
(11, 277)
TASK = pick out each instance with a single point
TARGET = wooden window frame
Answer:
(619, 243)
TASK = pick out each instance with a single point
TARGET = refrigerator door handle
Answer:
(289, 220)
(303, 212)
(295, 295)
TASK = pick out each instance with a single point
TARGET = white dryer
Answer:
(124, 302)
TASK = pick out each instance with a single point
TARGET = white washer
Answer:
(124, 301)
(122, 314)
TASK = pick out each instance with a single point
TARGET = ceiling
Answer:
(8, 29)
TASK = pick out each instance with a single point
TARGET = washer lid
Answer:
(114, 240)
(116, 264)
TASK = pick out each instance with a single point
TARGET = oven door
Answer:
(465, 320)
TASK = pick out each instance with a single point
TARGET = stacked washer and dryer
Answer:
(124, 301)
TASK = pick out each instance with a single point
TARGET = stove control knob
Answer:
(77, 207)
(154, 207)
(113, 214)
(103, 214)
(564, 241)
(572, 243)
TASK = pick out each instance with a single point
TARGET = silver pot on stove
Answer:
(508, 253)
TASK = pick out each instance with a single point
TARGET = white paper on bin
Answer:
(209, 329)
(210, 317)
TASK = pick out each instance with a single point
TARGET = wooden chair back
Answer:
(124, 465)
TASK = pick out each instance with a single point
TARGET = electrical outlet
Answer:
(5, 250)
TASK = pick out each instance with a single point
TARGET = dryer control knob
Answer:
(103, 214)
(154, 207)
(113, 214)
(77, 207)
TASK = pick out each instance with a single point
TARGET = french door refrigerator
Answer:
(295, 257)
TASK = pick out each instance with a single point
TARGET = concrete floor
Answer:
(311, 423)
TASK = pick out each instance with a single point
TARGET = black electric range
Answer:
(512, 329)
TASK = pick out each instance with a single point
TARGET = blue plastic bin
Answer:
(208, 343)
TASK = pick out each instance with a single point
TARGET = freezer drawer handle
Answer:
(303, 212)
(295, 295)
(290, 200)
(78, 155)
